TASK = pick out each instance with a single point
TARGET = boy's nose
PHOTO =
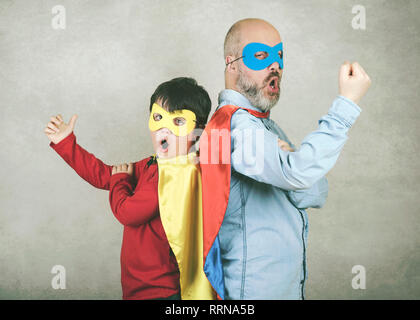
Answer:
(165, 131)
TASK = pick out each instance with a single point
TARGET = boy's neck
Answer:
(179, 159)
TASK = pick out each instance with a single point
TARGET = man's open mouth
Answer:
(273, 83)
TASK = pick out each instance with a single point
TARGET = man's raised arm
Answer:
(319, 150)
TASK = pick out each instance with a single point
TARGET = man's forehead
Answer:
(259, 32)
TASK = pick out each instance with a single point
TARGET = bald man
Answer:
(263, 236)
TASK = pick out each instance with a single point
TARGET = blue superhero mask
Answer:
(258, 56)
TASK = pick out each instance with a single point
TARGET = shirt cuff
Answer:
(346, 110)
(63, 143)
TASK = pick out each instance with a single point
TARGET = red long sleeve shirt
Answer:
(148, 267)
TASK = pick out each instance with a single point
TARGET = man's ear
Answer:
(230, 67)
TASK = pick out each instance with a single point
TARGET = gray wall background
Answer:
(106, 64)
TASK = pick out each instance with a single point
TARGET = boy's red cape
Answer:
(215, 165)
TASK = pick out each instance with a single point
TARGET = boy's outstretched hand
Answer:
(56, 130)
(123, 168)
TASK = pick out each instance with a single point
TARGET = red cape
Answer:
(215, 162)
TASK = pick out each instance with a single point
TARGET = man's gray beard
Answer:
(254, 94)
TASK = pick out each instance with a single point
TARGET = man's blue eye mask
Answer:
(253, 63)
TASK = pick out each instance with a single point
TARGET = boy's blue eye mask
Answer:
(258, 56)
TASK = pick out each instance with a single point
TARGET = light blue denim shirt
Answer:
(264, 232)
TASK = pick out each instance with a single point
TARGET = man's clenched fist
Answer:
(353, 81)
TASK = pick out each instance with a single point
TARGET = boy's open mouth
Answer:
(164, 144)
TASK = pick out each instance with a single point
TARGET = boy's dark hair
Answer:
(184, 93)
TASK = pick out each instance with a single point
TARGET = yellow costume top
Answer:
(180, 205)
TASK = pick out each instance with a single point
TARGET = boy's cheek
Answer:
(154, 142)
(178, 146)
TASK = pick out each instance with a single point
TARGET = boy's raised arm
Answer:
(86, 165)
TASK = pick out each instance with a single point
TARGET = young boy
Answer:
(142, 194)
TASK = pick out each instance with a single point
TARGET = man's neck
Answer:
(234, 97)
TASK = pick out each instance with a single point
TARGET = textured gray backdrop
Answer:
(106, 64)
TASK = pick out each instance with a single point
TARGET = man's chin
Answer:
(269, 103)
(272, 95)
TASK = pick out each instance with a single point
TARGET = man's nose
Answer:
(275, 66)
